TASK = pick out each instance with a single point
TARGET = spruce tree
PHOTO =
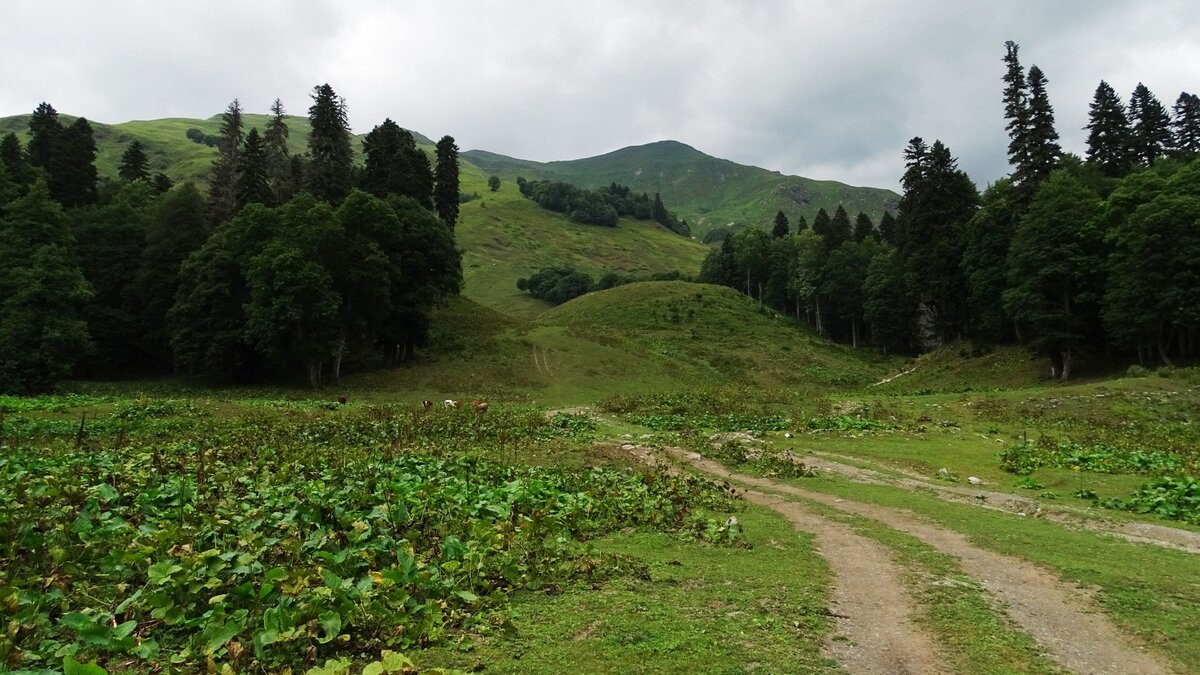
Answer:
(331, 164)
(44, 130)
(1042, 151)
(254, 184)
(445, 190)
(863, 227)
(223, 180)
(72, 169)
(1108, 133)
(1187, 125)
(801, 224)
(134, 163)
(988, 235)
(12, 157)
(889, 230)
(780, 229)
(839, 231)
(279, 163)
(821, 223)
(386, 167)
(1016, 105)
(1150, 126)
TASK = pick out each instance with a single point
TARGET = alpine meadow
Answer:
(277, 397)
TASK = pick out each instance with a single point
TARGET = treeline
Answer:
(603, 206)
(559, 283)
(1066, 253)
(288, 264)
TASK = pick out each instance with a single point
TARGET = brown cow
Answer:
(450, 403)
(427, 404)
(479, 406)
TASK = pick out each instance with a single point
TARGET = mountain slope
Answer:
(709, 192)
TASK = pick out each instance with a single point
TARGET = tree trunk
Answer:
(760, 295)
(311, 366)
(854, 332)
(1163, 348)
(820, 325)
(1068, 358)
(1056, 364)
(337, 367)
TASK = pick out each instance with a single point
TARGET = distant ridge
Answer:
(708, 191)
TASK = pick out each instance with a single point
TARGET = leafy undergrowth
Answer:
(1174, 498)
(1025, 457)
(282, 539)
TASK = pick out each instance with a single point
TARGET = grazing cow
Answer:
(479, 406)
(341, 400)
(450, 403)
(427, 404)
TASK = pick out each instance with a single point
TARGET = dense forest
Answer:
(1066, 253)
(603, 206)
(288, 263)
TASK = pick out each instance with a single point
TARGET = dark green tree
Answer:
(780, 228)
(386, 168)
(988, 236)
(842, 286)
(1052, 267)
(134, 163)
(1042, 151)
(253, 179)
(42, 292)
(12, 156)
(330, 172)
(890, 301)
(73, 177)
(720, 266)
(939, 199)
(863, 227)
(110, 240)
(889, 230)
(445, 173)
(1016, 106)
(1150, 126)
(493, 183)
(177, 227)
(44, 131)
(1108, 142)
(1187, 126)
(822, 223)
(801, 224)
(279, 161)
(223, 177)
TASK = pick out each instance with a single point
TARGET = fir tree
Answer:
(801, 224)
(1042, 151)
(330, 170)
(1150, 126)
(1016, 105)
(134, 163)
(780, 228)
(1187, 125)
(821, 223)
(863, 227)
(279, 163)
(988, 235)
(254, 184)
(223, 181)
(889, 230)
(73, 176)
(12, 157)
(386, 168)
(445, 190)
(1108, 132)
(839, 230)
(44, 130)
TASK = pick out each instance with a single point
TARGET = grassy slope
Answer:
(641, 337)
(505, 237)
(707, 191)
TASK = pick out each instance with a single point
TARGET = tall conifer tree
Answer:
(1151, 135)
(254, 184)
(44, 130)
(330, 169)
(223, 180)
(1042, 151)
(279, 162)
(445, 190)
(73, 176)
(1108, 132)
(1187, 125)
(863, 227)
(780, 228)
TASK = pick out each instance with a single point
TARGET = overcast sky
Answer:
(825, 89)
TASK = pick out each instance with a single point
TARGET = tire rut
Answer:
(1064, 620)
(875, 633)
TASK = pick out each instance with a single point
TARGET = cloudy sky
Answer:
(829, 89)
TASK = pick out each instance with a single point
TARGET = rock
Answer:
(731, 522)
(628, 446)
(645, 436)
(974, 481)
(787, 434)
(740, 436)
(944, 472)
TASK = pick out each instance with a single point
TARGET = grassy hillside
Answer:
(505, 236)
(709, 192)
(649, 336)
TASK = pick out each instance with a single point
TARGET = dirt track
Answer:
(875, 633)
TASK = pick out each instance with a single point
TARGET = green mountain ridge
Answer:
(709, 192)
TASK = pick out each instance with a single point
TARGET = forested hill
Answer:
(707, 191)
(169, 143)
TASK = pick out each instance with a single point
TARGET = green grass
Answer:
(699, 609)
